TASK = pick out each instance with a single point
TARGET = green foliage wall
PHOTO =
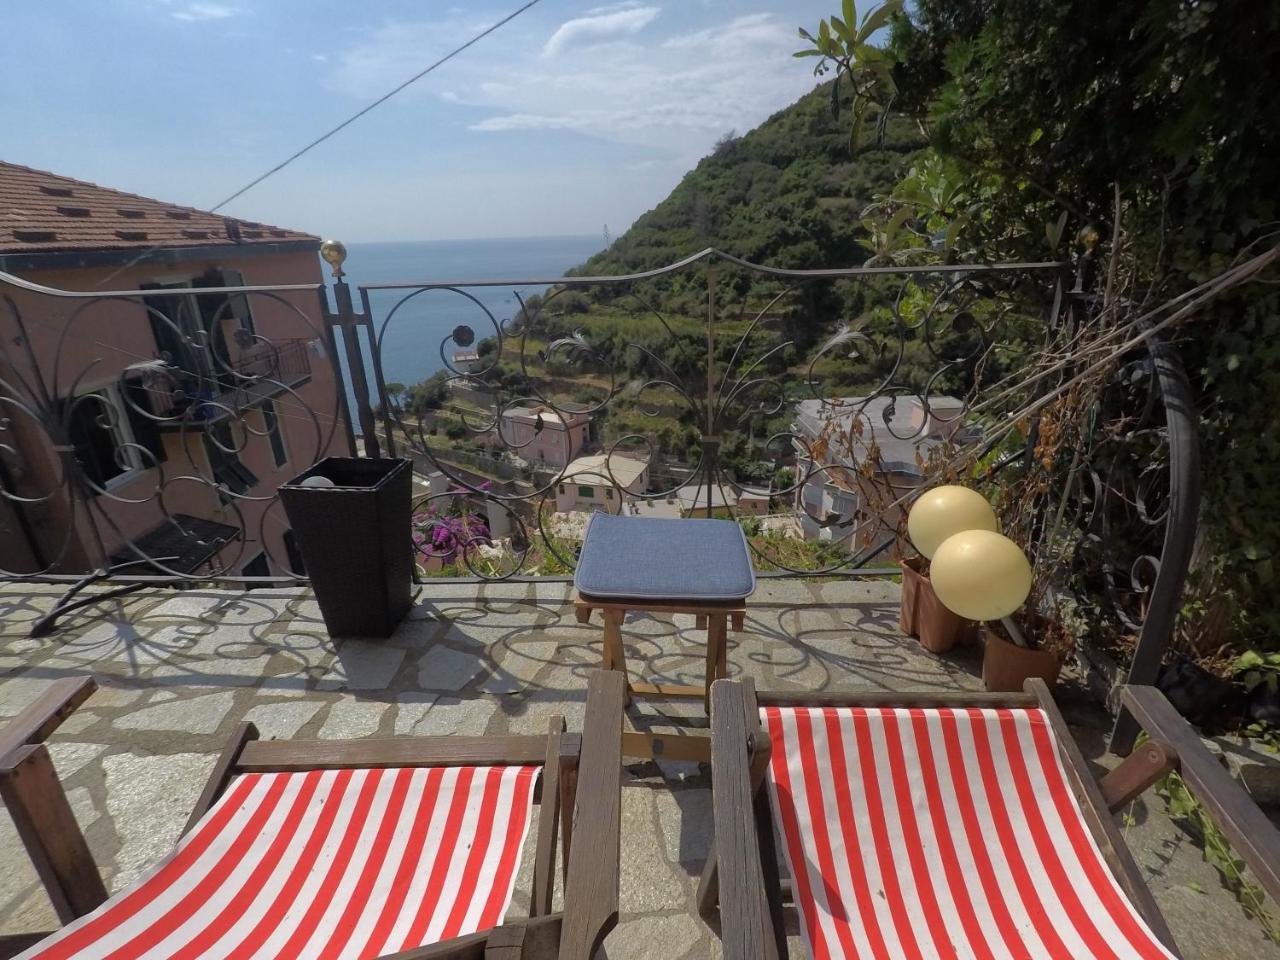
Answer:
(1173, 103)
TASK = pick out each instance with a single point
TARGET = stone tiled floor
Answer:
(179, 670)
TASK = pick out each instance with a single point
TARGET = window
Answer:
(586, 492)
(608, 493)
(224, 460)
(102, 437)
(271, 420)
(562, 488)
(177, 319)
(239, 302)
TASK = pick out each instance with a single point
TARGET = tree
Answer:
(1155, 122)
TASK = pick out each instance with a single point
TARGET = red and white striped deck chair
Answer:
(942, 826)
(404, 848)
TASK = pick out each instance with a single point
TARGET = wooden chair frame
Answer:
(742, 897)
(585, 766)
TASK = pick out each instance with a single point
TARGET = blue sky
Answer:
(576, 115)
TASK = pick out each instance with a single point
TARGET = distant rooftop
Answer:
(549, 416)
(888, 421)
(42, 212)
(624, 470)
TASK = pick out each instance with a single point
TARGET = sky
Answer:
(574, 116)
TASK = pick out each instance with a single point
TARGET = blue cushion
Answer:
(664, 559)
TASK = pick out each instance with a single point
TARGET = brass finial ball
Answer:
(334, 254)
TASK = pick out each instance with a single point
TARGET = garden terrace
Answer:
(178, 670)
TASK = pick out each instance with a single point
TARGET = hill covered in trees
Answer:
(786, 194)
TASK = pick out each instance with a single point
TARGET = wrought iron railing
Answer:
(811, 405)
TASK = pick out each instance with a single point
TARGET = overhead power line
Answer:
(377, 103)
(341, 126)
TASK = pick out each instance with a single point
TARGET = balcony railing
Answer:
(265, 370)
(713, 374)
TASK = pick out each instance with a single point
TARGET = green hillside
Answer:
(786, 194)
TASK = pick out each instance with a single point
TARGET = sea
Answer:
(413, 328)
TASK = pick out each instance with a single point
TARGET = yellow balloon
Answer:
(943, 511)
(980, 575)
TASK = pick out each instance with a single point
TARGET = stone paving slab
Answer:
(178, 670)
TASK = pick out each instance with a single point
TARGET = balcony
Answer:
(263, 371)
(494, 647)
(178, 671)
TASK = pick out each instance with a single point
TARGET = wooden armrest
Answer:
(745, 917)
(13, 944)
(591, 889)
(1250, 831)
(43, 716)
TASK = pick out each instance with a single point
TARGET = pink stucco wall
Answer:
(79, 345)
(555, 445)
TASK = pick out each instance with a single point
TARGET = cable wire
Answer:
(377, 103)
(341, 126)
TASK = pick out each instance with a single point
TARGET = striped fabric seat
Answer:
(941, 833)
(323, 864)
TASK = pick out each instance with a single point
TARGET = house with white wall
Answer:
(839, 496)
(601, 482)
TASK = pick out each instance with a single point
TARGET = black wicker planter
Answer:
(354, 541)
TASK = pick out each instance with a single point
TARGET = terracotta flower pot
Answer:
(1006, 666)
(922, 614)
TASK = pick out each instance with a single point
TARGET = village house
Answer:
(724, 500)
(543, 437)
(601, 482)
(838, 496)
(163, 422)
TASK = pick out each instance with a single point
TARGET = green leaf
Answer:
(850, 11)
(953, 232)
(877, 18)
(1248, 660)
(846, 32)
(1053, 231)
(895, 223)
(807, 53)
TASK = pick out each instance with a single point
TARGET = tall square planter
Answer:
(354, 539)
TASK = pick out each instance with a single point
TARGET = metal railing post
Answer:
(375, 352)
(346, 319)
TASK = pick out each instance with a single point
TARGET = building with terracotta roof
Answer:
(163, 418)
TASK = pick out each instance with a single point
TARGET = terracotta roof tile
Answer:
(42, 211)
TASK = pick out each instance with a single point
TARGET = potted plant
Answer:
(986, 577)
(1007, 663)
(923, 616)
(935, 516)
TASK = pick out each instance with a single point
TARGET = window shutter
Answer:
(146, 431)
(81, 445)
(239, 302)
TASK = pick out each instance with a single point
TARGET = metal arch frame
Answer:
(1179, 536)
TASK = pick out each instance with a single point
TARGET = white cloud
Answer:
(196, 12)
(606, 24)
(673, 94)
